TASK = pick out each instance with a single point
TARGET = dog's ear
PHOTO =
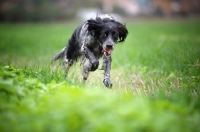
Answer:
(123, 32)
(94, 27)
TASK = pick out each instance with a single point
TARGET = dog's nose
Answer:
(109, 46)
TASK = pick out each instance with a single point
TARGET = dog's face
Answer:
(108, 32)
(108, 36)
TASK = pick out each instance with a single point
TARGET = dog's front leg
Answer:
(90, 63)
(107, 66)
(94, 62)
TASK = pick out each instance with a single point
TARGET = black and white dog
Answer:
(94, 39)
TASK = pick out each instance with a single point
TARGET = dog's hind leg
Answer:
(70, 55)
(67, 64)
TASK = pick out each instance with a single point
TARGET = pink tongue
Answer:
(107, 51)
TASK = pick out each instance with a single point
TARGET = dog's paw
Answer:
(95, 65)
(107, 83)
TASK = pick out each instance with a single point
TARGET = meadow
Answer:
(155, 75)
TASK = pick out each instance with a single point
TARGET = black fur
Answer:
(94, 39)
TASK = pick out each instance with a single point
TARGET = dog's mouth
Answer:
(107, 52)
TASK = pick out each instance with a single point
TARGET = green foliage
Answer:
(27, 104)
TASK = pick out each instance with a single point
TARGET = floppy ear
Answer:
(123, 32)
(94, 27)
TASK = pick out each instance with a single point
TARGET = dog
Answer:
(94, 39)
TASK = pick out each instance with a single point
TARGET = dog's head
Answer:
(108, 32)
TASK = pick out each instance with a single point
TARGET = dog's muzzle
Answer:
(107, 52)
(108, 48)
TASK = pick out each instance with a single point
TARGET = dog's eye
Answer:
(105, 34)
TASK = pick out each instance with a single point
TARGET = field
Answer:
(155, 75)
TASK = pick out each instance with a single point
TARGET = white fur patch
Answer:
(102, 16)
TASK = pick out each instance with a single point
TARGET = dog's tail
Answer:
(59, 55)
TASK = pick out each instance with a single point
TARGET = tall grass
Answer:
(154, 56)
(155, 75)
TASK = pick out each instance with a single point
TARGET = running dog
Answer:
(94, 39)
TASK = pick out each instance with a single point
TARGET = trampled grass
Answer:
(155, 75)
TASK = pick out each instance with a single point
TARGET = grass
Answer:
(155, 75)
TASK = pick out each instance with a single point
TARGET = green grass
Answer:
(155, 75)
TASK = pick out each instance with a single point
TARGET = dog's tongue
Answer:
(109, 52)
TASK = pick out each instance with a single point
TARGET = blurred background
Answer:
(64, 10)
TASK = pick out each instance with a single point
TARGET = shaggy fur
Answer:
(94, 39)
